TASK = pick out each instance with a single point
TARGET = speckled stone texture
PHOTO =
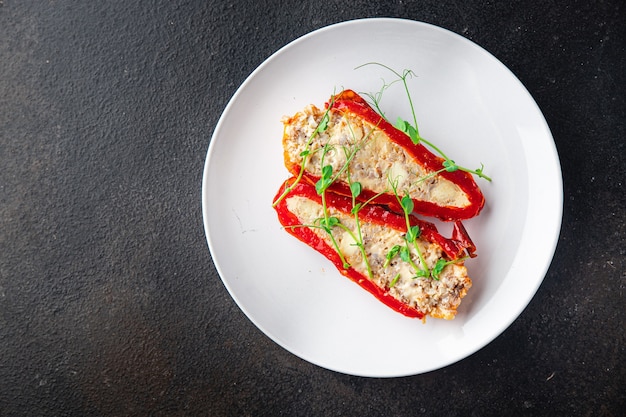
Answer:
(109, 301)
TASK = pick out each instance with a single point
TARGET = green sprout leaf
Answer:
(401, 124)
(407, 204)
(394, 281)
(407, 128)
(412, 233)
(356, 189)
(450, 165)
(320, 186)
(439, 265)
(324, 123)
(327, 223)
(412, 132)
(391, 254)
(421, 273)
(327, 171)
(324, 182)
(331, 222)
(405, 255)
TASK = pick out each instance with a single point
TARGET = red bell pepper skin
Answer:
(454, 248)
(350, 102)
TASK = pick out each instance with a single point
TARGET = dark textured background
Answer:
(109, 301)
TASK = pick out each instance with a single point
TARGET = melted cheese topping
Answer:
(436, 298)
(376, 160)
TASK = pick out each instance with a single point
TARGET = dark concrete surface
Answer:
(109, 302)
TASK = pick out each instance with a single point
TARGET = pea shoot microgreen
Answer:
(412, 130)
(411, 235)
(355, 189)
(441, 264)
(324, 122)
(394, 281)
(391, 254)
(326, 180)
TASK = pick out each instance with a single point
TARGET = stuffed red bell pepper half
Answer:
(400, 259)
(351, 138)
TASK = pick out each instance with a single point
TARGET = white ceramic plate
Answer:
(468, 103)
